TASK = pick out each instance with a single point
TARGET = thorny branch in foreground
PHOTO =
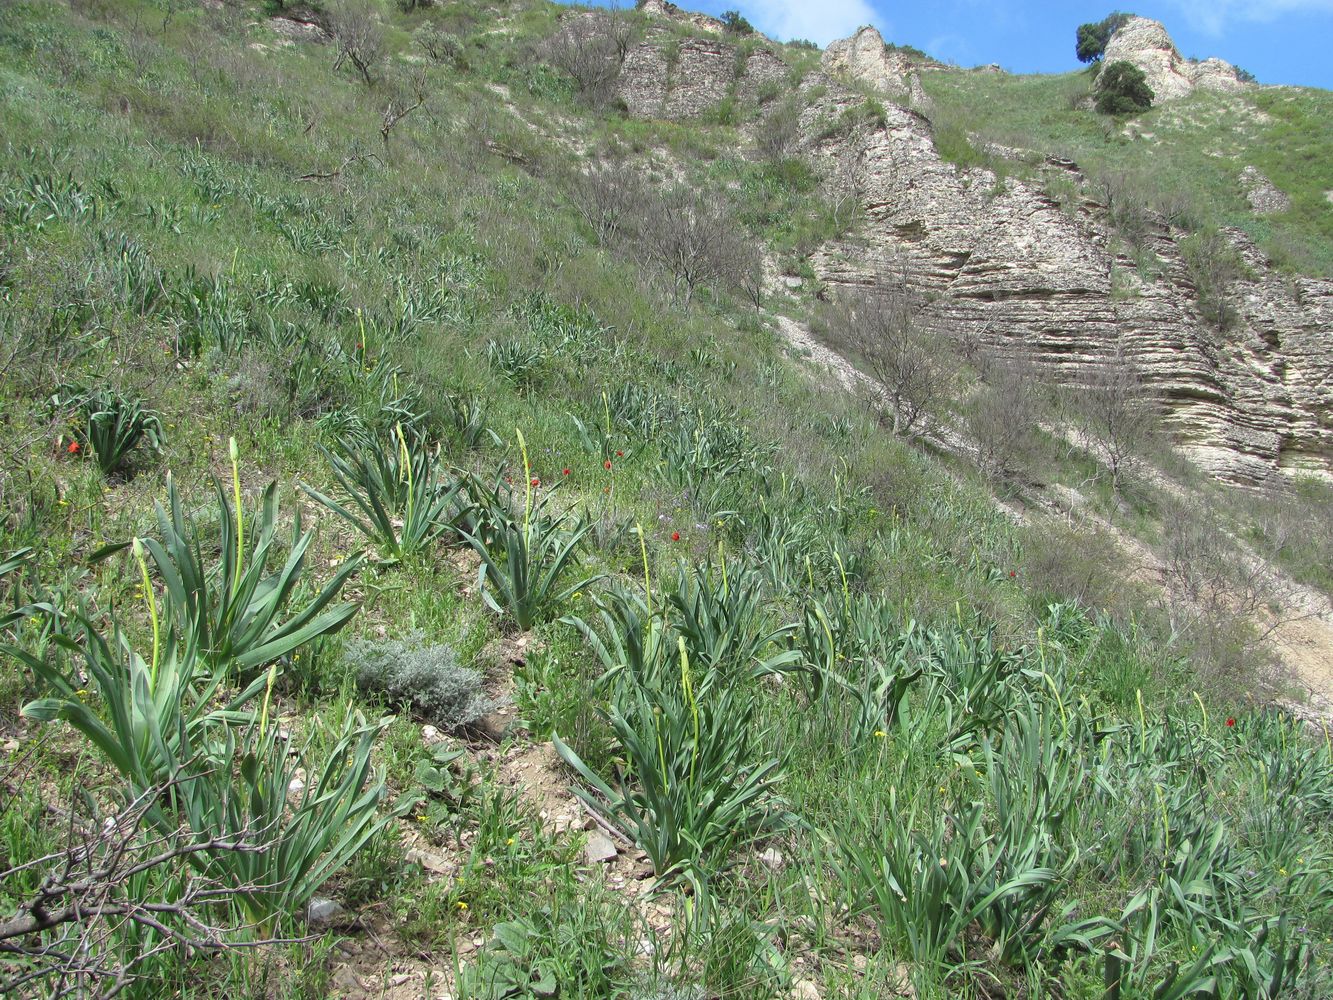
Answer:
(92, 928)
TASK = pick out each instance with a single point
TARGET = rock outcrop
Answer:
(692, 76)
(866, 59)
(670, 12)
(1006, 264)
(1262, 194)
(1144, 43)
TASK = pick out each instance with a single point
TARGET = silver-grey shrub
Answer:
(428, 677)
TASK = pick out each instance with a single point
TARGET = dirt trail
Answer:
(1303, 643)
(812, 350)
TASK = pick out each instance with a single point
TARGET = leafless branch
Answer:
(590, 47)
(337, 171)
(88, 930)
(399, 107)
(912, 362)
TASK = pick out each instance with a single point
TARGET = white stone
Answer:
(599, 849)
(323, 912)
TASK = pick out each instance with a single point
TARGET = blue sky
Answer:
(1280, 41)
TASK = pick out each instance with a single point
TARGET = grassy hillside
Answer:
(852, 727)
(1185, 155)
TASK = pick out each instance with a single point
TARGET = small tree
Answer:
(1116, 414)
(734, 22)
(1215, 266)
(1122, 89)
(847, 180)
(693, 237)
(1002, 418)
(590, 48)
(779, 134)
(911, 363)
(441, 46)
(1223, 599)
(358, 36)
(1092, 38)
(606, 195)
(407, 96)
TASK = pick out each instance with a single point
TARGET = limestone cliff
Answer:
(1005, 262)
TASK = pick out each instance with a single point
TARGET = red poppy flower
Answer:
(620, 454)
(675, 536)
(1012, 574)
(536, 481)
(566, 472)
(1231, 723)
(73, 448)
(607, 463)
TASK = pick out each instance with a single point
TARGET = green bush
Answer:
(427, 677)
(735, 22)
(697, 787)
(1122, 89)
(109, 426)
(396, 492)
(1214, 266)
(239, 609)
(524, 562)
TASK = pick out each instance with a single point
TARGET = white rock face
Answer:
(1144, 43)
(865, 58)
(1005, 264)
(1262, 194)
(1000, 261)
(670, 12)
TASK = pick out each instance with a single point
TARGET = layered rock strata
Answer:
(1006, 264)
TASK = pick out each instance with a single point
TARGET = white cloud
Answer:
(821, 22)
(1212, 16)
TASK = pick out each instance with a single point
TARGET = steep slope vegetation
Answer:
(572, 520)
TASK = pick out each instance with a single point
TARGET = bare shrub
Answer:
(1002, 417)
(1116, 414)
(1127, 199)
(1080, 563)
(849, 177)
(1214, 266)
(590, 48)
(607, 196)
(441, 46)
(407, 95)
(1221, 601)
(358, 36)
(912, 362)
(1292, 523)
(90, 930)
(779, 134)
(693, 237)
